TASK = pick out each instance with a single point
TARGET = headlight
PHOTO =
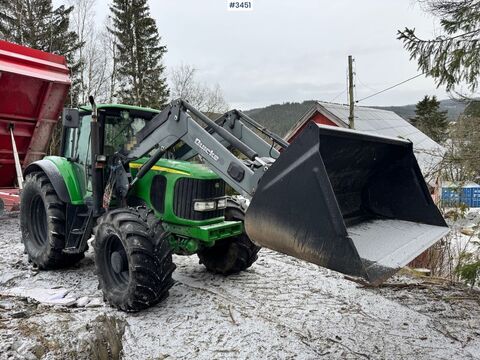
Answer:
(222, 204)
(204, 205)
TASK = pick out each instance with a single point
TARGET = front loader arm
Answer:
(234, 122)
(175, 124)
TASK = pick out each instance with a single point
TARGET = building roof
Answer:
(380, 122)
(464, 185)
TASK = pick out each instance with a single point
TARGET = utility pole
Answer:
(351, 121)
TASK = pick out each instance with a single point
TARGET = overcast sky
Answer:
(295, 50)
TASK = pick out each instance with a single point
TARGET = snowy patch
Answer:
(44, 296)
(280, 308)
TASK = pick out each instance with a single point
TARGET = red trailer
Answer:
(33, 88)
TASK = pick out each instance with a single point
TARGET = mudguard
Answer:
(63, 177)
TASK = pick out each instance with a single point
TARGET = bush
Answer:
(468, 268)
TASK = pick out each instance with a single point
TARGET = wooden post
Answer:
(16, 159)
(351, 118)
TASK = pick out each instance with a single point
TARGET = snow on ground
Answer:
(464, 233)
(280, 308)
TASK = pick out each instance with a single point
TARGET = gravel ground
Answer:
(279, 308)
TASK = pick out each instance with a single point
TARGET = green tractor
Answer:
(177, 207)
(149, 183)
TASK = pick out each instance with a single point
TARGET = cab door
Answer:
(76, 148)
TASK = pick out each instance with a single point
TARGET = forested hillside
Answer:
(454, 109)
(280, 117)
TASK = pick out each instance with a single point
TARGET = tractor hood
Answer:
(186, 168)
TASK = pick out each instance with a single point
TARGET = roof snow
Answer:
(464, 185)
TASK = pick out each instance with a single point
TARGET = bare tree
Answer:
(111, 51)
(95, 73)
(183, 84)
(463, 158)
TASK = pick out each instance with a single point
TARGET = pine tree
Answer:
(140, 70)
(454, 56)
(430, 120)
(34, 23)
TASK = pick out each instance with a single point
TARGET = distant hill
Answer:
(454, 109)
(280, 117)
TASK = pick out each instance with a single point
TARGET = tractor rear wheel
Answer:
(42, 221)
(133, 261)
(234, 254)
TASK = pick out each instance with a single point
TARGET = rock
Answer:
(23, 348)
(7, 305)
(38, 350)
(422, 271)
(19, 315)
(467, 231)
(83, 301)
(95, 302)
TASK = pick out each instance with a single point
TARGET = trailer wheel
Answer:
(42, 221)
(133, 262)
(231, 255)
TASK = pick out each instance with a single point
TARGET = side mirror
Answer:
(71, 118)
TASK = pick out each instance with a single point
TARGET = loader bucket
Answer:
(348, 201)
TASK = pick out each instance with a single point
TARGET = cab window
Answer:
(83, 148)
(120, 131)
(77, 141)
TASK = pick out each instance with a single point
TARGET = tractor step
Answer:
(77, 231)
(72, 251)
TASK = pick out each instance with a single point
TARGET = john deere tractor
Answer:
(148, 184)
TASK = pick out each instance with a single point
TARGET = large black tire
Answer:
(42, 221)
(133, 260)
(231, 255)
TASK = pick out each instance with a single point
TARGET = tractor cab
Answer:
(118, 126)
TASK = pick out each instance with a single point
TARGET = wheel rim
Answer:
(38, 222)
(116, 260)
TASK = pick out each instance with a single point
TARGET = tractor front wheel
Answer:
(133, 262)
(231, 255)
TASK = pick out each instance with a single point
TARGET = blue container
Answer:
(468, 195)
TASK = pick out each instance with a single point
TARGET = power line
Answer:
(344, 91)
(340, 94)
(363, 84)
(389, 88)
(360, 80)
